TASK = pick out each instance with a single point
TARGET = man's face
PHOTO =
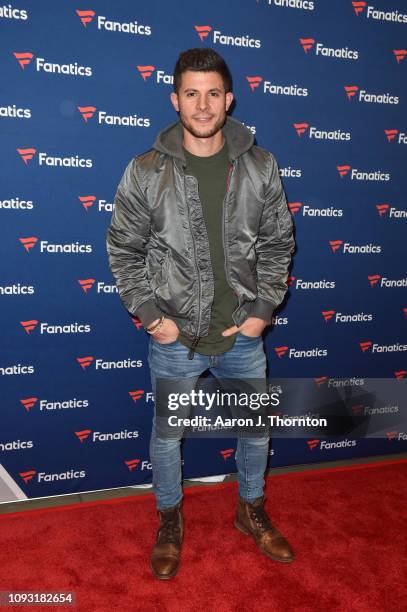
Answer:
(202, 103)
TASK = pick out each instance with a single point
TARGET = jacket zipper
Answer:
(231, 168)
(196, 337)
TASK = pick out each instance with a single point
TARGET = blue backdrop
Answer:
(84, 88)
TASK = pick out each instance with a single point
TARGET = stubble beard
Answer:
(211, 132)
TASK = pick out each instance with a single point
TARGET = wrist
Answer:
(156, 328)
(152, 324)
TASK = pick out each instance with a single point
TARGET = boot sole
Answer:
(267, 554)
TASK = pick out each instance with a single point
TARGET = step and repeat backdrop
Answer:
(85, 87)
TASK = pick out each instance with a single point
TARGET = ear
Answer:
(229, 99)
(174, 100)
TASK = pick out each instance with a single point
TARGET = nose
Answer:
(202, 103)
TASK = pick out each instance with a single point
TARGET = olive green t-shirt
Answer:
(211, 173)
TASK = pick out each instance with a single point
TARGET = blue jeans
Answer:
(246, 359)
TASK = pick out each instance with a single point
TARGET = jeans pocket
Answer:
(249, 337)
(164, 344)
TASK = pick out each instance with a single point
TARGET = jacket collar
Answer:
(238, 139)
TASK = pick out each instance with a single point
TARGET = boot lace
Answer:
(170, 529)
(261, 518)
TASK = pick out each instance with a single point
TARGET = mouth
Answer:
(203, 119)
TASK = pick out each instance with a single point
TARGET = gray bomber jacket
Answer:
(158, 245)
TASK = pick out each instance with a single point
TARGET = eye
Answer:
(190, 93)
(215, 94)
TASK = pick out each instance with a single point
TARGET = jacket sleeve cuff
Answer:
(148, 312)
(262, 309)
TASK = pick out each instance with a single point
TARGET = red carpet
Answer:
(347, 527)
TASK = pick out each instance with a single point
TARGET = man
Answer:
(200, 243)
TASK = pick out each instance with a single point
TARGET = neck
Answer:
(203, 147)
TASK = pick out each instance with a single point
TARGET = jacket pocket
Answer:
(160, 277)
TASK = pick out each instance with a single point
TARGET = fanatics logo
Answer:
(312, 443)
(359, 7)
(307, 211)
(365, 96)
(374, 279)
(335, 244)
(320, 380)
(358, 409)
(319, 134)
(87, 112)
(132, 464)
(294, 353)
(48, 247)
(386, 282)
(29, 402)
(254, 81)
(399, 54)
(227, 453)
(328, 314)
(394, 212)
(203, 31)
(382, 209)
(46, 328)
(86, 284)
(136, 395)
(23, 58)
(83, 435)
(74, 161)
(400, 374)
(307, 43)
(391, 435)
(294, 207)
(365, 346)
(391, 134)
(351, 90)
(103, 117)
(87, 201)
(281, 350)
(41, 64)
(343, 170)
(145, 71)
(84, 362)
(320, 49)
(131, 27)
(27, 154)
(85, 16)
(355, 248)
(300, 128)
(360, 175)
(272, 88)
(372, 13)
(98, 436)
(28, 243)
(225, 39)
(29, 326)
(346, 318)
(27, 476)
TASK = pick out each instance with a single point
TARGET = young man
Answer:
(200, 243)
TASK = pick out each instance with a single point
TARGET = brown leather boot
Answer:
(166, 553)
(252, 519)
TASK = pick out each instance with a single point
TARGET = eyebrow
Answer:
(191, 89)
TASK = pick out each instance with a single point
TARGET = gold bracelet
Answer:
(157, 326)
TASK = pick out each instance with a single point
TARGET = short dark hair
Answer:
(202, 59)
